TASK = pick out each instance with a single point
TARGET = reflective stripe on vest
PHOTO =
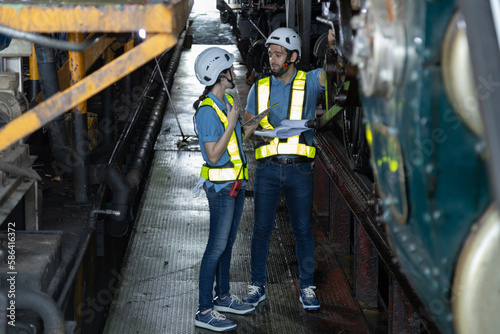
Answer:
(292, 146)
(225, 174)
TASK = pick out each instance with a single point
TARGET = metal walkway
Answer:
(158, 289)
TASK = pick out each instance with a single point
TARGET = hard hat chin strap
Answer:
(231, 80)
(285, 66)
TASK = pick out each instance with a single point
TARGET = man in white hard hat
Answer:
(284, 165)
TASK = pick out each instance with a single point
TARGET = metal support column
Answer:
(290, 13)
(365, 268)
(80, 136)
(304, 30)
(334, 208)
(402, 317)
(127, 81)
(340, 220)
(34, 76)
(107, 124)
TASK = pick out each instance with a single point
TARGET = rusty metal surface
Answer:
(365, 268)
(92, 84)
(114, 16)
(403, 318)
(93, 53)
(339, 311)
(356, 190)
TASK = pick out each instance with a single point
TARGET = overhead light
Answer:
(142, 33)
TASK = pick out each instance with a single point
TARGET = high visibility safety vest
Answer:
(293, 145)
(235, 168)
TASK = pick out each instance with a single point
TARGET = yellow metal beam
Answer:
(59, 103)
(77, 68)
(49, 18)
(93, 53)
(34, 75)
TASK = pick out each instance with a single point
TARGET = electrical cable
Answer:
(170, 99)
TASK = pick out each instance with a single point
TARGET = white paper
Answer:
(288, 128)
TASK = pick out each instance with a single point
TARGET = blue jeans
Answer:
(295, 182)
(225, 215)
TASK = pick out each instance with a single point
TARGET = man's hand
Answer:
(250, 128)
(266, 139)
(331, 39)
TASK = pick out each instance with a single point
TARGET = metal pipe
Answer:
(43, 305)
(108, 119)
(166, 87)
(256, 27)
(46, 41)
(80, 125)
(34, 76)
(326, 21)
(146, 143)
(127, 81)
(49, 84)
(121, 190)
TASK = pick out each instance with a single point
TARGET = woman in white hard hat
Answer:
(223, 177)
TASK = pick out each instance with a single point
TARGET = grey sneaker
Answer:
(256, 294)
(214, 321)
(232, 304)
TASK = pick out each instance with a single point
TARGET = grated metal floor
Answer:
(158, 288)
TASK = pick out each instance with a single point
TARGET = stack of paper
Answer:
(288, 128)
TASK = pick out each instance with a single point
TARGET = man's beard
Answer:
(282, 70)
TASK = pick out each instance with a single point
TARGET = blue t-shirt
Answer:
(211, 129)
(281, 93)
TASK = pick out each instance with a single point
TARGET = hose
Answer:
(43, 305)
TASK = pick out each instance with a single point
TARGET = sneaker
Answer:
(232, 304)
(308, 298)
(215, 321)
(256, 294)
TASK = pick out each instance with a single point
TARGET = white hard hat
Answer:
(285, 37)
(210, 63)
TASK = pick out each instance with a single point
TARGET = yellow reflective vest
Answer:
(235, 168)
(292, 146)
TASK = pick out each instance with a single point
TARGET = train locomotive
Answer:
(409, 90)
(429, 155)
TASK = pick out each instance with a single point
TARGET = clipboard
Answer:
(257, 118)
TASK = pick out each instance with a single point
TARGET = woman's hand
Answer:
(216, 149)
(233, 112)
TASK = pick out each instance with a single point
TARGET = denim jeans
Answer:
(295, 182)
(225, 215)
